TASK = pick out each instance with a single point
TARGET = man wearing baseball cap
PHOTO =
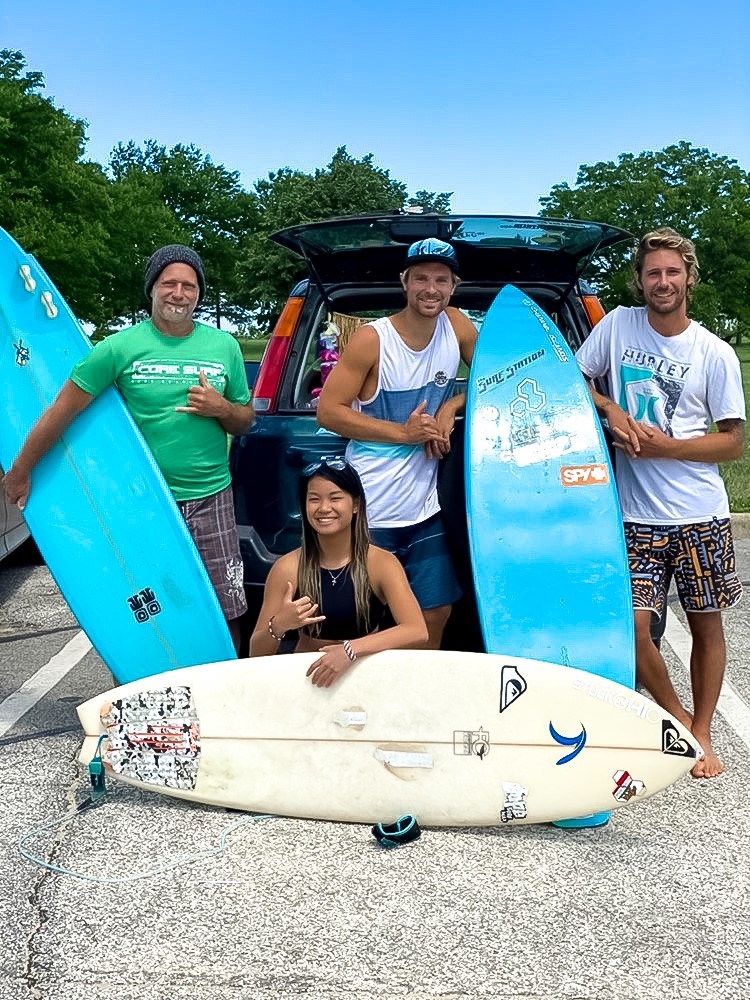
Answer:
(392, 395)
(185, 385)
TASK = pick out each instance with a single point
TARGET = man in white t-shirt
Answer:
(669, 379)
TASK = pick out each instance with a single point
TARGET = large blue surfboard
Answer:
(545, 530)
(99, 509)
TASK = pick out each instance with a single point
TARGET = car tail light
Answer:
(594, 308)
(268, 382)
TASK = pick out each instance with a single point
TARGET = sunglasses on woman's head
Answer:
(337, 464)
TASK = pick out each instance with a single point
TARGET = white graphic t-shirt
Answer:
(681, 385)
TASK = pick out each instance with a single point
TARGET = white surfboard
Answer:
(455, 739)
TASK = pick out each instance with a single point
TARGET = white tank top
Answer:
(400, 481)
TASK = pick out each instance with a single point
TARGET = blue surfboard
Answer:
(545, 530)
(99, 509)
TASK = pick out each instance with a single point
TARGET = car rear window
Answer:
(324, 339)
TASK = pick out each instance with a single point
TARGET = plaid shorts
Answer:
(211, 523)
(700, 557)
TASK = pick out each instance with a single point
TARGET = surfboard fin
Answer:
(97, 774)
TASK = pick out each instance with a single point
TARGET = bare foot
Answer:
(709, 766)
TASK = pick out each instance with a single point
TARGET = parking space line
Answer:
(39, 684)
(731, 705)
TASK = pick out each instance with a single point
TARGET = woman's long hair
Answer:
(344, 476)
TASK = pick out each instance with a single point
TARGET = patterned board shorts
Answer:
(422, 549)
(700, 557)
(214, 530)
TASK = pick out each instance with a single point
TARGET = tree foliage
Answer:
(346, 186)
(54, 204)
(140, 222)
(181, 196)
(93, 229)
(698, 193)
(431, 201)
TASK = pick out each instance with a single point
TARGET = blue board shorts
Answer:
(213, 527)
(422, 549)
(700, 558)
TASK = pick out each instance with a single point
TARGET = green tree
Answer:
(431, 201)
(698, 193)
(180, 195)
(139, 223)
(52, 202)
(346, 186)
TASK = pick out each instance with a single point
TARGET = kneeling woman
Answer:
(335, 589)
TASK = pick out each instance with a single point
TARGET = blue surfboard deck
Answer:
(545, 530)
(99, 509)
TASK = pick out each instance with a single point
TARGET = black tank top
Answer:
(337, 604)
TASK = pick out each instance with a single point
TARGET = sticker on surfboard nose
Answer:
(673, 743)
(626, 787)
(512, 686)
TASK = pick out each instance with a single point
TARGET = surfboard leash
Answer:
(403, 831)
(97, 797)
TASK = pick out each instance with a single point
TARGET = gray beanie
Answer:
(175, 253)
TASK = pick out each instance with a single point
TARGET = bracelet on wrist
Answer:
(349, 651)
(271, 632)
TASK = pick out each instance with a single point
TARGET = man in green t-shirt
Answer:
(184, 383)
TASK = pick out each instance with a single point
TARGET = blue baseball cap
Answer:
(432, 251)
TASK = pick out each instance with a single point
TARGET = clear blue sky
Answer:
(495, 101)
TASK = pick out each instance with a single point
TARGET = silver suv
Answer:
(13, 529)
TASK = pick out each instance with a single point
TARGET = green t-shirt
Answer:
(154, 372)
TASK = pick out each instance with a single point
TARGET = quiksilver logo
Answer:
(512, 686)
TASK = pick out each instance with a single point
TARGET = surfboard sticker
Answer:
(559, 346)
(512, 686)
(144, 605)
(403, 758)
(351, 718)
(487, 382)
(471, 743)
(584, 475)
(530, 431)
(23, 354)
(154, 737)
(514, 801)
(673, 743)
(578, 742)
(626, 787)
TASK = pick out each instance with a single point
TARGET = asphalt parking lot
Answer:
(178, 900)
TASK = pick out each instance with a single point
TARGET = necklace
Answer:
(334, 576)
